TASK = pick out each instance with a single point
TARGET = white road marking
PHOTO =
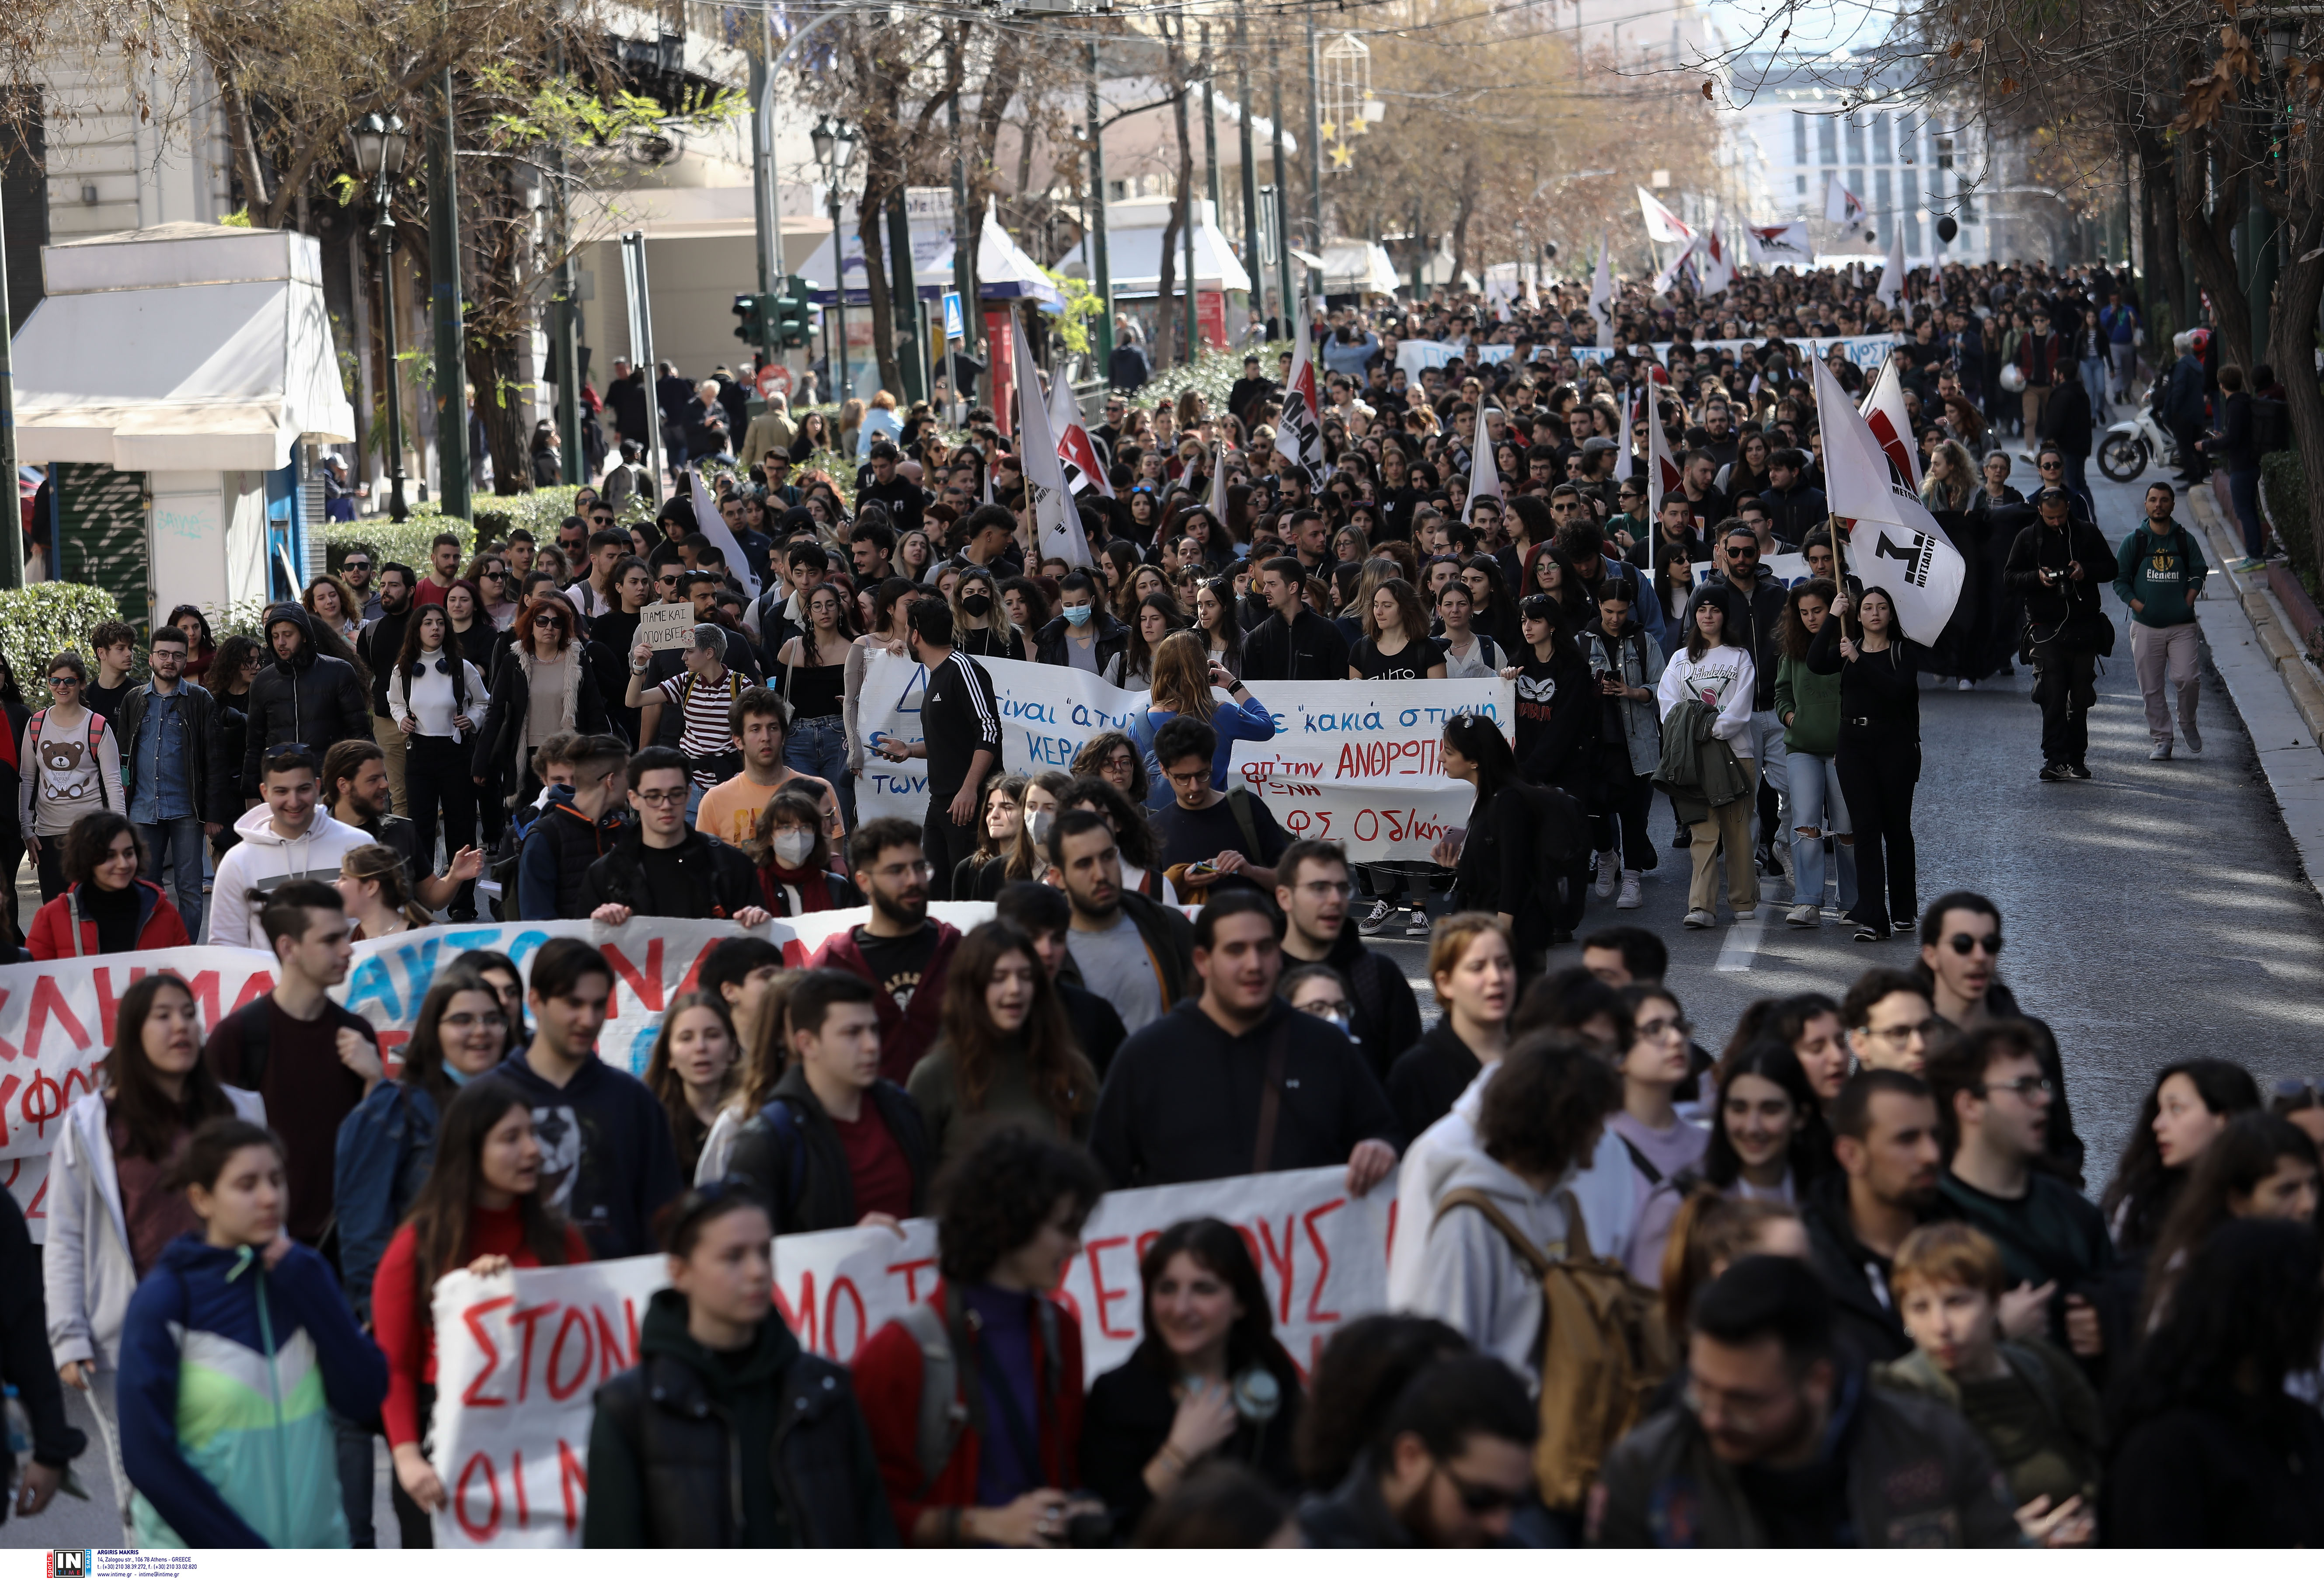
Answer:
(1742, 942)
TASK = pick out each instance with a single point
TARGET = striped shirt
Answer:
(708, 708)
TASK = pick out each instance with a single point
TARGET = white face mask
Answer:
(1037, 826)
(793, 846)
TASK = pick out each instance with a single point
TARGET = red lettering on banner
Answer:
(1103, 1296)
(205, 989)
(1389, 1249)
(8, 1049)
(1146, 1243)
(474, 1318)
(492, 1525)
(570, 1471)
(1316, 1312)
(574, 1317)
(612, 1356)
(8, 1085)
(516, 1480)
(911, 1271)
(647, 986)
(49, 999)
(529, 1318)
(1281, 1262)
(101, 979)
(257, 987)
(687, 983)
(800, 1318)
(831, 1320)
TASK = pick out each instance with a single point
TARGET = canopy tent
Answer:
(181, 347)
(1134, 254)
(1004, 270)
(1357, 267)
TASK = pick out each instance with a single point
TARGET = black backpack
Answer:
(2271, 422)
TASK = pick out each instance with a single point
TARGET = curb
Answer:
(2272, 629)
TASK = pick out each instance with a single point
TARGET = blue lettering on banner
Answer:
(1040, 713)
(1054, 750)
(897, 783)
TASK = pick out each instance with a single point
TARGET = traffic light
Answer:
(786, 313)
(751, 319)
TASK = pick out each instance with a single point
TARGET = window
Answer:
(1884, 213)
(1854, 142)
(1968, 205)
(1798, 138)
(1912, 211)
(1827, 140)
(1944, 146)
(1880, 154)
(1799, 183)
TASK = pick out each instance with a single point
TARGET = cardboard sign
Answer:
(667, 628)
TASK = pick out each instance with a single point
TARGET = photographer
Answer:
(2059, 565)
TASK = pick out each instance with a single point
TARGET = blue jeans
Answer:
(2078, 481)
(177, 842)
(2243, 490)
(1817, 804)
(818, 746)
(2093, 380)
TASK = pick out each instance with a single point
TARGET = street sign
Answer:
(774, 379)
(955, 326)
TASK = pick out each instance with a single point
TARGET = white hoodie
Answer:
(265, 860)
(1472, 1279)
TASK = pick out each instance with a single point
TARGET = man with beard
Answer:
(355, 790)
(900, 949)
(1135, 954)
(1453, 1464)
(1779, 1441)
(1311, 885)
(1884, 1136)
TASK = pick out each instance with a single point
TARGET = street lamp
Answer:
(834, 151)
(378, 145)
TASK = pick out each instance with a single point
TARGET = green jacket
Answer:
(1698, 770)
(2166, 575)
(2060, 1456)
(1815, 698)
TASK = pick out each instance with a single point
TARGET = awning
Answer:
(1309, 259)
(1133, 257)
(180, 348)
(1005, 271)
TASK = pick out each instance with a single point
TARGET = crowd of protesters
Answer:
(1838, 1282)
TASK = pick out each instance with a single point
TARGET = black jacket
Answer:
(314, 700)
(214, 797)
(25, 1360)
(1429, 1076)
(1113, 636)
(2074, 605)
(2217, 1477)
(1129, 1416)
(1183, 1100)
(1096, 1025)
(1355, 1515)
(1387, 1019)
(1756, 618)
(1169, 938)
(1864, 1312)
(795, 1159)
(1792, 513)
(1310, 647)
(2065, 418)
(712, 879)
(500, 742)
(667, 1466)
(377, 645)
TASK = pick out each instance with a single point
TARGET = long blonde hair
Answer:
(1953, 491)
(380, 864)
(1181, 676)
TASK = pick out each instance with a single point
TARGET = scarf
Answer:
(793, 894)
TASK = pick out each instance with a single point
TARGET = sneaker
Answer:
(2194, 741)
(2052, 773)
(1699, 920)
(1630, 900)
(1790, 869)
(1610, 869)
(1968, 686)
(1679, 841)
(1870, 935)
(1372, 921)
(2078, 770)
(1745, 913)
(1806, 916)
(1418, 927)
(2160, 752)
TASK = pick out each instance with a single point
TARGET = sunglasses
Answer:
(356, 565)
(1479, 1500)
(1963, 943)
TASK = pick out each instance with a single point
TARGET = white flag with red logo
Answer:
(1895, 544)
(1661, 471)
(1601, 291)
(1892, 426)
(1084, 473)
(1840, 206)
(1299, 432)
(1781, 244)
(1714, 267)
(1056, 522)
(1662, 224)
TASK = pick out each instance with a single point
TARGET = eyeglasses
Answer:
(1321, 890)
(660, 797)
(1327, 1007)
(1477, 1499)
(492, 576)
(1657, 1029)
(1897, 1036)
(2026, 1087)
(354, 565)
(62, 682)
(1962, 943)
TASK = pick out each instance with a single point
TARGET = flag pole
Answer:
(1839, 570)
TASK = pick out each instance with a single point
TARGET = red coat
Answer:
(888, 1390)
(159, 926)
(905, 1033)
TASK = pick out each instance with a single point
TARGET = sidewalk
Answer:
(2273, 685)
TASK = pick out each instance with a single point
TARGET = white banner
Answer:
(1352, 760)
(520, 1355)
(1864, 350)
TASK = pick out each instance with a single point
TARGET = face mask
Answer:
(1037, 826)
(792, 847)
(1077, 614)
(977, 603)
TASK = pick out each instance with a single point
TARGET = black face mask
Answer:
(978, 604)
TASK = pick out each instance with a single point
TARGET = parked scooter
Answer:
(2130, 447)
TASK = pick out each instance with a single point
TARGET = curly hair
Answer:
(1133, 836)
(1548, 1104)
(998, 1196)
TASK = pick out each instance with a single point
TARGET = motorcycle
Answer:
(2130, 446)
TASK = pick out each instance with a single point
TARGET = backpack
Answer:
(2271, 423)
(944, 1410)
(1603, 1350)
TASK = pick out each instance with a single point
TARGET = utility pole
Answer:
(12, 540)
(842, 383)
(1315, 151)
(565, 314)
(967, 233)
(1100, 270)
(1249, 176)
(451, 359)
(904, 294)
(766, 203)
(1282, 191)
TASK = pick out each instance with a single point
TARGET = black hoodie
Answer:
(307, 699)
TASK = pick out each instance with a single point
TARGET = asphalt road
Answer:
(2152, 912)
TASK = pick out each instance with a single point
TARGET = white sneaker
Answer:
(1806, 916)
(1968, 686)
(2160, 752)
(1609, 867)
(1745, 913)
(1630, 900)
(1699, 920)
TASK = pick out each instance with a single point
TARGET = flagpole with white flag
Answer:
(1909, 557)
(1623, 463)
(1056, 522)
(1484, 476)
(1074, 444)
(1661, 472)
(1891, 423)
(1303, 415)
(1217, 503)
(713, 526)
(1892, 273)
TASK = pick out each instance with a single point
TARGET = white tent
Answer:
(182, 347)
(1005, 271)
(1359, 267)
(1133, 251)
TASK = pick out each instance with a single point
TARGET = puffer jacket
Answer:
(85, 1270)
(308, 698)
(226, 1369)
(1112, 638)
(665, 1462)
